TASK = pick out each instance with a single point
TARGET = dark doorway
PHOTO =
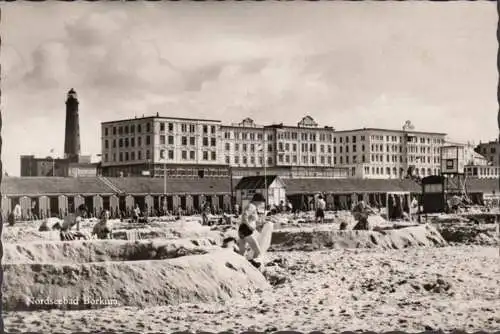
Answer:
(106, 204)
(89, 205)
(54, 206)
(196, 202)
(71, 204)
(122, 204)
(221, 202)
(183, 202)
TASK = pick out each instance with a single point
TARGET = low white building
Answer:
(270, 186)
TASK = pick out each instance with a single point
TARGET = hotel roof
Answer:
(161, 117)
(390, 130)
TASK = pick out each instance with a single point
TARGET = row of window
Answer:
(411, 139)
(185, 155)
(411, 158)
(126, 156)
(133, 128)
(388, 171)
(127, 142)
(126, 129)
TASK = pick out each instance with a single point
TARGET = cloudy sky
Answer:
(347, 64)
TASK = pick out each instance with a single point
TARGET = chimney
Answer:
(72, 129)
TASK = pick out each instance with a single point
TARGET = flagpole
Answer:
(265, 166)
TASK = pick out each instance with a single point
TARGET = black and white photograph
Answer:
(240, 166)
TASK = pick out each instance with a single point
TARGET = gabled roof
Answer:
(343, 186)
(53, 185)
(256, 182)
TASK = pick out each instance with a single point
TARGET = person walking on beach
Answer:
(248, 225)
(320, 209)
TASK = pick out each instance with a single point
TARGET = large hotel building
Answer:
(200, 147)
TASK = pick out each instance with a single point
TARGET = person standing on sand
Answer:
(248, 225)
(320, 209)
(102, 230)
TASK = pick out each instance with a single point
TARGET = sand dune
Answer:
(413, 289)
(217, 276)
(104, 250)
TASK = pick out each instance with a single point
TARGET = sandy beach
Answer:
(347, 281)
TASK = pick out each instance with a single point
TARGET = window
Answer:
(212, 142)
(184, 141)
(148, 140)
(245, 160)
(106, 157)
(184, 155)
(354, 148)
(205, 130)
(139, 155)
(120, 142)
(120, 130)
(132, 156)
(205, 141)
(171, 140)
(106, 144)
(269, 147)
(228, 146)
(132, 142)
(244, 147)
(170, 127)
(192, 128)
(148, 155)
(212, 128)
(162, 126)
(191, 155)
(171, 154)
(139, 141)
(205, 155)
(236, 147)
(347, 159)
(139, 129)
(214, 156)
(236, 160)
(121, 156)
(132, 128)
(148, 127)
(126, 142)
(125, 129)
(183, 127)
(252, 148)
(162, 140)
(227, 159)
(192, 141)
(105, 131)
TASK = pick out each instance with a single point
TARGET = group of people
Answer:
(70, 228)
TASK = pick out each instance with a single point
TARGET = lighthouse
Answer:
(72, 129)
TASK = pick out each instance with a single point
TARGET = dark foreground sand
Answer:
(411, 289)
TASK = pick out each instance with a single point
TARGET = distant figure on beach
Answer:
(136, 213)
(71, 220)
(17, 212)
(361, 211)
(289, 206)
(205, 213)
(248, 225)
(320, 209)
(102, 230)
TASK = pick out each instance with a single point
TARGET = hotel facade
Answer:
(196, 147)
(144, 146)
